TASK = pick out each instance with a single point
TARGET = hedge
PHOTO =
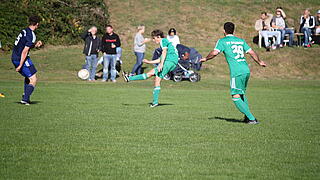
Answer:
(62, 21)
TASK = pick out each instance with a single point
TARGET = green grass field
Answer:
(83, 130)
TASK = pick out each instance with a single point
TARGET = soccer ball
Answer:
(83, 74)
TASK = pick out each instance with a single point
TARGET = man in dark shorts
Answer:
(21, 60)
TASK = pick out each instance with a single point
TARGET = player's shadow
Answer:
(32, 102)
(227, 119)
(160, 104)
(164, 104)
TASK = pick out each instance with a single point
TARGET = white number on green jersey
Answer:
(238, 50)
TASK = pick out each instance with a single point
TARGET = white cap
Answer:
(318, 12)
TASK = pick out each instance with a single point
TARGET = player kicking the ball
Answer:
(167, 63)
(234, 49)
(21, 60)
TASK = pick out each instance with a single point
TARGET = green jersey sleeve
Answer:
(219, 46)
(246, 47)
(164, 43)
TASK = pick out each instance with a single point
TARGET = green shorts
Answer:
(167, 67)
(238, 84)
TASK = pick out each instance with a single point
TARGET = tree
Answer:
(62, 20)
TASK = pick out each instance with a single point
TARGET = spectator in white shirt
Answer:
(173, 37)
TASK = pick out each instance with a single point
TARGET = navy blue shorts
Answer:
(27, 69)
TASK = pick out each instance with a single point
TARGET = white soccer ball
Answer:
(83, 74)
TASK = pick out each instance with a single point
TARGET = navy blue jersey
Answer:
(25, 38)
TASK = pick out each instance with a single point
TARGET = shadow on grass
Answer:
(227, 119)
(164, 104)
(160, 104)
(32, 102)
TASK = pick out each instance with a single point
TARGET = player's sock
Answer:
(244, 98)
(243, 107)
(156, 92)
(25, 88)
(26, 82)
(29, 90)
(138, 77)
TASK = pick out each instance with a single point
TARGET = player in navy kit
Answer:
(21, 60)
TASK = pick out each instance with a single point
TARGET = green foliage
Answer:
(62, 20)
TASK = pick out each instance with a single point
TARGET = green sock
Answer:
(156, 92)
(243, 107)
(244, 99)
(138, 77)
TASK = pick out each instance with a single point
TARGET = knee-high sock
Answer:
(156, 92)
(138, 77)
(26, 82)
(25, 88)
(243, 107)
(29, 90)
(244, 98)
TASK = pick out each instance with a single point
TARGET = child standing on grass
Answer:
(234, 50)
(167, 63)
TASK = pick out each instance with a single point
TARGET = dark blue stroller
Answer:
(187, 64)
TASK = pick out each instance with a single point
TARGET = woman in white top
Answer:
(139, 49)
(173, 37)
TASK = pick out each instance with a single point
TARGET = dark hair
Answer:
(156, 33)
(33, 20)
(229, 27)
(172, 30)
(109, 25)
(279, 7)
(265, 13)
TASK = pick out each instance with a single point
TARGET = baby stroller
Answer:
(183, 71)
(186, 65)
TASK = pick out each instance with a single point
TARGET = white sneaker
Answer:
(25, 102)
(154, 105)
(114, 81)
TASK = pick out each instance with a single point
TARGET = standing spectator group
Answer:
(109, 45)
